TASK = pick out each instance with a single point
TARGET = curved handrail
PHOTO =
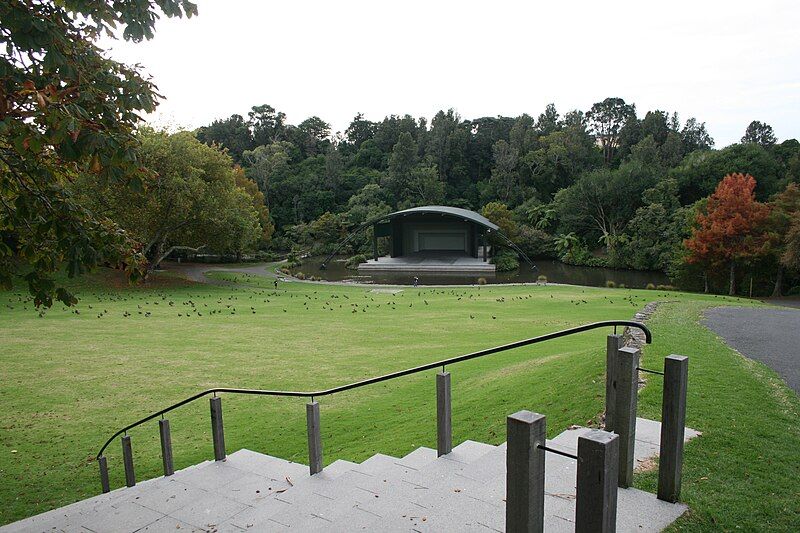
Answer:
(386, 377)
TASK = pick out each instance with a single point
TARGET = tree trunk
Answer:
(163, 255)
(732, 289)
(705, 282)
(776, 292)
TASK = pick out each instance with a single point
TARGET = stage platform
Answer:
(429, 262)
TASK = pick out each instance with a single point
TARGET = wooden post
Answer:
(483, 239)
(217, 431)
(673, 423)
(166, 447)
(127, 460)
(596, 496)
(525, 472)
(613, 344)
(314, 438)
(444, 425)
(374, 244)
(101, 461)
(625, 411)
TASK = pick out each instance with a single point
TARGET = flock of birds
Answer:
(250, 300)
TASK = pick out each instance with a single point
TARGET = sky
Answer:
(725, 63)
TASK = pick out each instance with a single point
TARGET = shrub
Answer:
(481, 281)
(650, 287)
(610, 284)
(794, 291)
(621, 286)
(354, 261)
(541, 279)
(312, 278)
(300, 275)
(506, 261)
(665, 287)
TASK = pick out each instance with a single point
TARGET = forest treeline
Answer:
(605, 187)
(84, 183)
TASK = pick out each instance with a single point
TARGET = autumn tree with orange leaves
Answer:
(730, 231)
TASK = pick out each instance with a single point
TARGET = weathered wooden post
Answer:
(101, 461)
(444, 425)
(127, 460)
(314, 437)
(596, 496)
(673, 422)
(613, 344)
(625, 411)
(526, 433)
(217, 431)
(166, 446)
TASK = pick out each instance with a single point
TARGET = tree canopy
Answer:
(67, 111)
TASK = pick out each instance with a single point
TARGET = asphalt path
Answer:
(769, 335)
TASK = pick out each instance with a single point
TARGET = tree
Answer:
(67, 111)
(548, 121)
(505, 177)
(266, 124)
(266, 161)
(190, 201)
(759, 133)
(729, 231)
(699, 172)
(359, 130)
(784, 221)
(232, 133)
(695, 137)
(499, 213)
(606, 119)
(401, 163)
(258, 202)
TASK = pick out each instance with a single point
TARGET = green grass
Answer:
(71, 380)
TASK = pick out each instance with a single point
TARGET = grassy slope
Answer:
(71, 380)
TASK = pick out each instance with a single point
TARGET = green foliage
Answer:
(353, 262)
(505, 261)
(190, 199)
(67, 111)
(759, 133)
(701, 171)
(500, 214)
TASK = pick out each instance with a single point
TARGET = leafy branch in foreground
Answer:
(67, 110)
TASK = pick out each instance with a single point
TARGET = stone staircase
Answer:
(250, 491)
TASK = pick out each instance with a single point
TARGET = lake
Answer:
(555, 271)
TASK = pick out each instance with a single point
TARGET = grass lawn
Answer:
(70, 380)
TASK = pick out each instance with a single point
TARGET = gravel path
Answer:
(771, 336)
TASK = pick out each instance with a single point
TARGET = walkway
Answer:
(769, 335)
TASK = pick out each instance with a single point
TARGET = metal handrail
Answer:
(386, 377)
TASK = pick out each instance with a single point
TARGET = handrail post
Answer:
(625, 411)
(444, 424)
(526, 433)
(166, 446)
(596, 495)
(673, 422)
(127, 460)
(103, 463)
(217, 431)
(613, 344)
(314, 438)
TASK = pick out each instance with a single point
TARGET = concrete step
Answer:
(249, 491)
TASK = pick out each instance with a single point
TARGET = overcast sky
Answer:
(726, 63)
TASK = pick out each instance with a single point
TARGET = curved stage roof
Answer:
(466, 214)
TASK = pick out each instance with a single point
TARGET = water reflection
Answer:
(555, 271)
